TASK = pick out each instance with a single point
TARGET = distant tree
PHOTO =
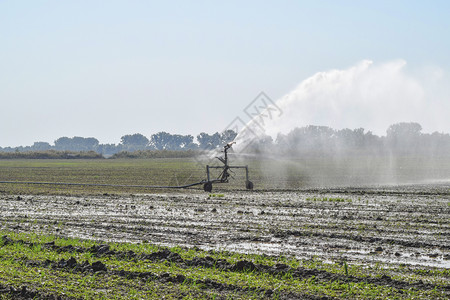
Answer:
(373, 143)
(7, 149)
(317, 138)
(181, 142)
(166, 141)
(135, 141)
(40, 146)
(350, 139)
(209, 142)
(404, 137)
(227, 136)
(63, 143)
(191, 145)
(160, 140)
(76, 144)
(261, 144)
(404, 130)
(85, 144)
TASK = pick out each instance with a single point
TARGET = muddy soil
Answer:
(407, 225)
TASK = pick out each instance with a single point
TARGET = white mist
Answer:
(367, 95)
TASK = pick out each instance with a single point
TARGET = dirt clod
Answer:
(98, 266)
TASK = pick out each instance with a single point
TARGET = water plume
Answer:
(367, 95)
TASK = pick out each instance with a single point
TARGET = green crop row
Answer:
(22, 265)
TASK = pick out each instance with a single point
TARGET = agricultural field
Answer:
(290, 238)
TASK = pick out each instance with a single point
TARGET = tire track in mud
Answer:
(358, 238)
(416, 190)
(104, 250)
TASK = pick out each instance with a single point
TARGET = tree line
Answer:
(133, 142)
(400, 138)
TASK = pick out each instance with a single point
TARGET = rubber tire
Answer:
(207, 187)
(249, 185)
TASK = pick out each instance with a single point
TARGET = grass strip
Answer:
(125, 271)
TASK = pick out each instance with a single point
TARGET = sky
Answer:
(105, 69)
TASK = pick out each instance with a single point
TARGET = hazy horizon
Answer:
(107, 69)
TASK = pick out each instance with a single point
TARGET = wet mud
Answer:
(406, 225)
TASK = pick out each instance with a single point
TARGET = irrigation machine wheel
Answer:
(207, 187)
(249, 185)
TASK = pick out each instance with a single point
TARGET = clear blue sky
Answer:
(108, 68)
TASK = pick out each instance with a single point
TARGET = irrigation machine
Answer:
(225, 171)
